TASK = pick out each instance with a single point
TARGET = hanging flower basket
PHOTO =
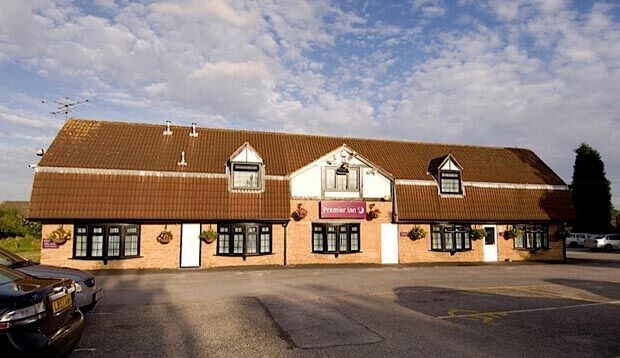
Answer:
(372, 213)
(299, 213)
(417, 232)
(59, 236)
(208, 236)
(477, 234)
(164, 237)
(512, 233)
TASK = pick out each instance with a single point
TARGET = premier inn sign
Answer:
(342, 209)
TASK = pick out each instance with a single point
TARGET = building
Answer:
(113, 188)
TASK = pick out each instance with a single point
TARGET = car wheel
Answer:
(608, 247)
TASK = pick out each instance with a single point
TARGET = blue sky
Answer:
(541, 74)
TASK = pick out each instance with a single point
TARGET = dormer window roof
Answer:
(246, 169)
(447, 172)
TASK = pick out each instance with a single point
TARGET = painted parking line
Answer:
(85, 350)
(488, 317)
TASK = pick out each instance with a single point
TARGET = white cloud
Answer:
(540, 75)
(429, 8)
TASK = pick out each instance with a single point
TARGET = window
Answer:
(532, 237)
(334, 238)
(244, 239)
(341, 181)
(246, 176)
(450, 237)
(450, 182)
(106, 241)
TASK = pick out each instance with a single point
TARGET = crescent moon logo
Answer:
(361, 210)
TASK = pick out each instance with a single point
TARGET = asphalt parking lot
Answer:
(567, 310)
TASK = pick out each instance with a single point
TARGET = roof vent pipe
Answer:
(193, 133)
(182, 163)
(167, 131)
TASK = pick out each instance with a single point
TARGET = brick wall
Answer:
(153, 254)
(210, 259)
(300, 236)
(508, 253)
(419, 251)
(414, 251)
(299, 243)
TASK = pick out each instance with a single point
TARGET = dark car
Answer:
(38, 317)
(88, 292)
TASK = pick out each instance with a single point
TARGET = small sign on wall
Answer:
(404, 233)
(48, 244)
(342, 209)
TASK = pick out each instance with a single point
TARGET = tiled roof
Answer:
(123, 149)
(126, 197)
(119, 145)
(423, 203)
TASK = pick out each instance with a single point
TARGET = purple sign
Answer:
(342, 209)
(48, 244)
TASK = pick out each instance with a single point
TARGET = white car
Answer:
(606, 242)
(577, 239)
(88, 291)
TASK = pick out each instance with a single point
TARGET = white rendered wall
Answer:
(307, 184)
(375, 185)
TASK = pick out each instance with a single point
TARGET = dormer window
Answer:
(447, 172)
(246, 176)
(246, 169)
(450, 182)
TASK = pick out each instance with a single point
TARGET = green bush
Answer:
(11, 223)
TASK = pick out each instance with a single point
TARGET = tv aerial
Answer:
(66, 105)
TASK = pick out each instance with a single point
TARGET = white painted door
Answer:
(389, 244)
(490, 243)
(190, 245)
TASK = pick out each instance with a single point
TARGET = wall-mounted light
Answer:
(40, 152)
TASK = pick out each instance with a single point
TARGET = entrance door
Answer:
(190, 245)
(490, 244)
(389, 244)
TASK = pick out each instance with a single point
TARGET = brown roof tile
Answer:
(124, 197)
(423, 203)
(118, 145)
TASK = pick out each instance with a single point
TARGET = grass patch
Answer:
(28, 246)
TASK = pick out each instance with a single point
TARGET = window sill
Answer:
(242, 255)
(106, 258)
(336, 253)
(532, 250)
(451, 251)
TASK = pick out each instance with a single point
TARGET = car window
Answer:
(7, 275)
(7, 259)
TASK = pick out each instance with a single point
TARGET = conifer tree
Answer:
(591, 192)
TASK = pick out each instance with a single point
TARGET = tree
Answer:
(11, 223)
(591, 191)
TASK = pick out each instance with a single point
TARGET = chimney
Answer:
(193, 133)
(167, 131)
(182, 163)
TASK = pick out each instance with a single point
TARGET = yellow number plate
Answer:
(61, 304)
